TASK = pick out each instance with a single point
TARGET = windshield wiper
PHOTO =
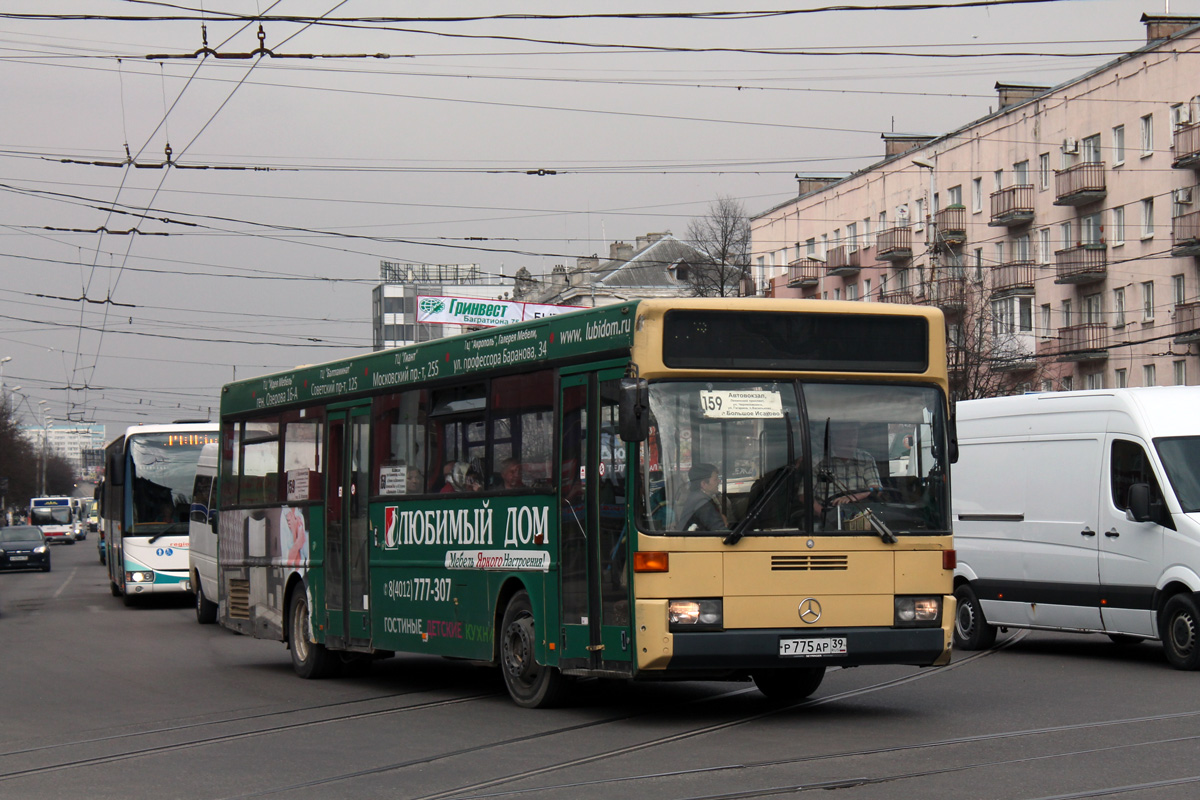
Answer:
(827, 474)
(781, 475)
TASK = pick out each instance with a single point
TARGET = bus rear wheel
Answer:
(789, 685)
(531, 685)
(206, 610)
(310, 658)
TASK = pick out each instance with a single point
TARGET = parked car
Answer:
(24, 547)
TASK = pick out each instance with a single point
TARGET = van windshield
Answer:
(1181, 458)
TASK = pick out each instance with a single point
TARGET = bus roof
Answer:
(576, 335)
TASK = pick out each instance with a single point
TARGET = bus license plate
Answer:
(833, 646)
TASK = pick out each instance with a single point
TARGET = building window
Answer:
(998, 180)
(1148, 377)
(1147, 135)
(977, 195)
(1066, 313)
(1179, 370)
(1044, 245)
(1046, 329)
(920, 221)
(999, 250)
(1068, 383)
(1093, 309)
(852, 237)
(1148, 218)
(1119, 307)
(1118, 145)
(852, 291)
(1122, 377)
(1091, 229)
(1091, 149)
(1021, 248)
(1066, 231)
(810, 247)
(1021, 173)
(1044, 171)
(866, 232)
(1095, 380)
(824, 245)
(1116, 231)
(867, 289)
(1148, 301)
(1178, 294)
(837, 294)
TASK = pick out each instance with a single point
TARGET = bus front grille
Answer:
(808, 563)
(239, 599)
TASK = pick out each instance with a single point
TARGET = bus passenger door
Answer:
(592, 536)
(347, 543)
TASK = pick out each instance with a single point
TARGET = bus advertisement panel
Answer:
(743, 489)
(146, 505)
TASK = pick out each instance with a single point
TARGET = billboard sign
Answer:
(479, 312)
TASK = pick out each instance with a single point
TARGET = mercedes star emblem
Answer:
(810, 610)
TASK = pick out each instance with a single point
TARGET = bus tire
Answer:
(129, 600)
(1179, 628)
(789, 685)
(206, 610)
(112, 587)
(971, 629)
(310, 659)
(530, 684)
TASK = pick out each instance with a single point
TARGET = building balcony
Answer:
(1086, 342)
(894, 244)
(1080, 184)
(948, 293)
(1013, 352)
(1187, 323)
(1015, 277)
(950, 225)
(841, 262)
(1186, 145)
(1185, 234)
(1012, 206)
(804, 272)
(1083, 263)
(901, 296)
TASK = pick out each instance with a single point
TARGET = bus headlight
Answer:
(695, 615)
(918, 611)
(145, 576)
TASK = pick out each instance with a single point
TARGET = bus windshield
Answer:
(724, 453)
(163, 471)
(50, 515)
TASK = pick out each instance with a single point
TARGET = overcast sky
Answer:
(422, 156)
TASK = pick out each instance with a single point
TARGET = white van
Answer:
(1080, 511)
(202, 534)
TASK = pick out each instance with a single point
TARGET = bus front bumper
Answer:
(163, 583)
(737, 650)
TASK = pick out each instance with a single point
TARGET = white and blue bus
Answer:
(146, 505)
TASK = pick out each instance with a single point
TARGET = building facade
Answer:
(74, 441)
(1060, 233)
(394, 300)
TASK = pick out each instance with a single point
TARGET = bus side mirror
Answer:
(634, 419)
(953, 440)
(115, 472)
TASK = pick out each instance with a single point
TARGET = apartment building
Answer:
(1060, 233)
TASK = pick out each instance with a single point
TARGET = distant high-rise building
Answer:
(69, 440)
(394, 300)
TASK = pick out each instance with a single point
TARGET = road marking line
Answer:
(64, 583)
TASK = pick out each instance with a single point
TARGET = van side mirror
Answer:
(1140, 506)
(213, 519)
(634, 409)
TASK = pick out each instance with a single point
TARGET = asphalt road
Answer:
(101, 701)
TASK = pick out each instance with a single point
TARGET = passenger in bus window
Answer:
(510, 474)
(699, 511)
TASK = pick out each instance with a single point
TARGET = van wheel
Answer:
(971, 630)
(1179, 628)
(789, 685)
(206, 610)
(531, 685)
(310, 659)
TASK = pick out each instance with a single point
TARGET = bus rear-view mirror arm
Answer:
(634, 412)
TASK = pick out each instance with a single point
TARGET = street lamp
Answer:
(3, 394)
(45, 435)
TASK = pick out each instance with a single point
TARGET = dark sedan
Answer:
(24, 547)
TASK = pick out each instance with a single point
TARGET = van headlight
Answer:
(695, 615)
(914, 612)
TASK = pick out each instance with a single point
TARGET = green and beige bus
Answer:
(661, 489)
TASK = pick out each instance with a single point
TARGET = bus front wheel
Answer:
(530, 684)
(310, 658)
(789, 685)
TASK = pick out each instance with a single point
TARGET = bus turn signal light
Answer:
(650, 562)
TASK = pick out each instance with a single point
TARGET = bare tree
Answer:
(723, 236)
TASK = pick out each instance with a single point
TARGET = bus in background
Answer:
(660, 489)
(79, 516)
(54, 516)
(149, 472)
